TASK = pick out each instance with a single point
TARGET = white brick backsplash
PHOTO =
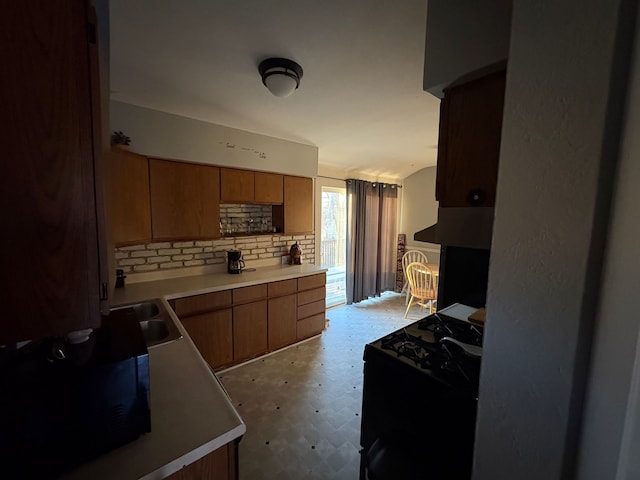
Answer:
(182, 244)
(193, 263)
(171, 265)
(131, 261)
(176, 255)
(155, 246)
(181, 258)
(169, 251)
(244, 240)
(145, 268)
(158, 259)
(125, 269)
(143, 253)
(223, 244)
(133, 247)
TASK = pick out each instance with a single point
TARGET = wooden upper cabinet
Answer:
(296, 214)
(236, 186)
(469, 142)
(51, 249)
(269, 188)
(185, 201)
(127, 194)
(247, 186)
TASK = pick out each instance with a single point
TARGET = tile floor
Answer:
(302, 405)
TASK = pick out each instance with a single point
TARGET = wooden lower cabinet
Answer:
(282, 321)
(231, 326)
(221, 464)
(250, 337)
(311, 306)
(310, 326)
(212, 334)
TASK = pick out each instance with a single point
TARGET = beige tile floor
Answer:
(302, 405)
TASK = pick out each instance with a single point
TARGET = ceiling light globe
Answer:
(280, 85)
(280, 75)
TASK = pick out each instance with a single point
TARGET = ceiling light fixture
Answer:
(280, 76)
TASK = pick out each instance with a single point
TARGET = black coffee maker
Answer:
(235, 264)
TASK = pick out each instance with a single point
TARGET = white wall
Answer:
(611, 439)
(463, 36)
(559, 139)
(164, 135)
(419, 209)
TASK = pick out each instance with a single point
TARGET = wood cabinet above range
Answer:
(469, 141)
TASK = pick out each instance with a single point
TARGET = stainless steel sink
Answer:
(156, 324)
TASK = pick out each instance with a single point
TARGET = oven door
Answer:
(418, 422)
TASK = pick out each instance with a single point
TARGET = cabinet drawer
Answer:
(309, 309)
(312, 281)
(311, 296)
(310, 326)
(249, 294)
(208, 302)
(284, 287)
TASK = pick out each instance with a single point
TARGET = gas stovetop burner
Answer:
(441, 358)
(450, 327)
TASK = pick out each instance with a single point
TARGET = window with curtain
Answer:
(372, 210)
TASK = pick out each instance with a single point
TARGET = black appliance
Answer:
(420, 398)
(235, 264)
(62, 404)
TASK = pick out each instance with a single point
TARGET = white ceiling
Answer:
(360, 100)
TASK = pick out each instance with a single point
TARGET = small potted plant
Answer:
(120, 140)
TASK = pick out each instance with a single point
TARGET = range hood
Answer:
(469, 227)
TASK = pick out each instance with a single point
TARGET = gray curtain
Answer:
(371, 239)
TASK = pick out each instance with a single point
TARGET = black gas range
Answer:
(420, 397)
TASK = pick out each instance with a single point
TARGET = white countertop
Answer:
(191, 413)
(212, 282)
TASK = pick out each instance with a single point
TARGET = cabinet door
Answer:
(282, 321)
(212, 334)
(296, 214)
(469, 142)
(128, 204)
(249, 330)
(184, 200)
(269, 188)
(236, 186)
(221, 464)
(50, 248)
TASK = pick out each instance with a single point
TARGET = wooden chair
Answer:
(423, 286)
(409, 257)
